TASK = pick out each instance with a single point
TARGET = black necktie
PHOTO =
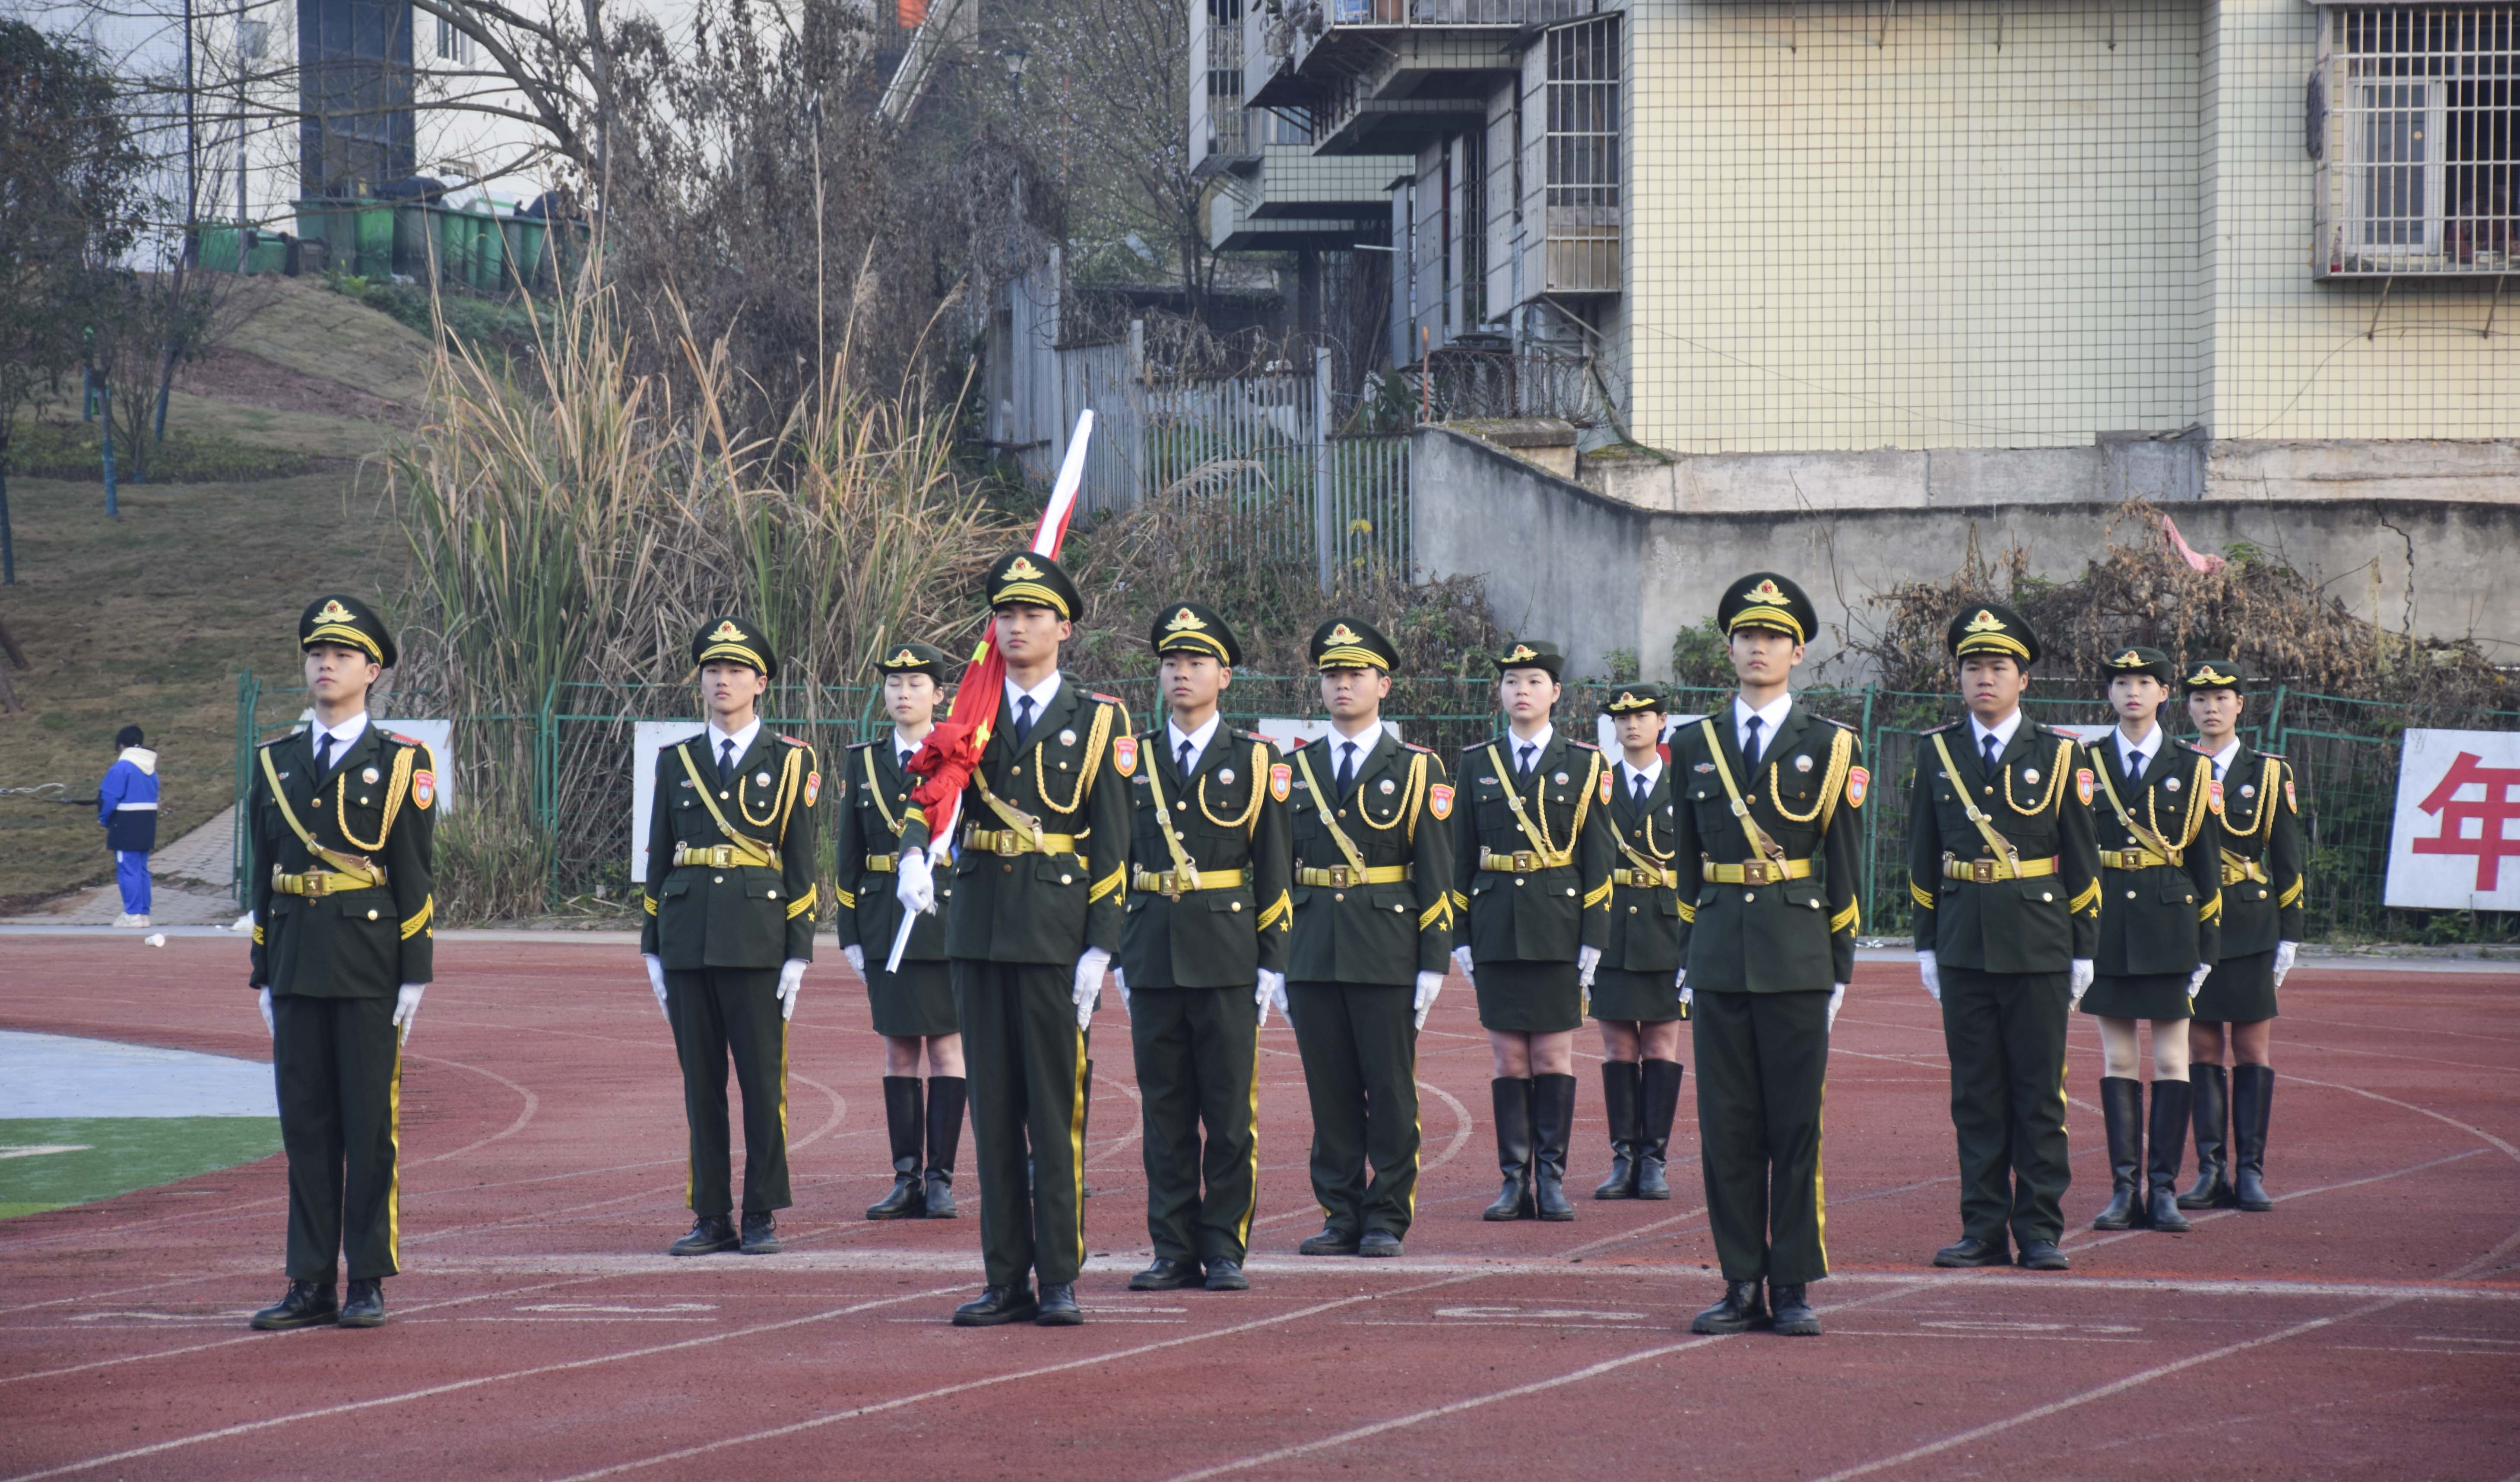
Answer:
(323, 756)
(2135, 766)
(1522, 769)
(1639, 789)
(906, 756)
(1347, 768)
(1990, 748)
(1024, 720)
(1750, 747)
(1185, 761)
(725, 761)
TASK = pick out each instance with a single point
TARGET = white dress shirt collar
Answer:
(903, 747)
(2002, 731)
(1771, 717)
(2225, 757)
(1174, 736)
(743, 739)
(1538, 747)
(1628, 775)
(344, 735)
(1042, 694)
(2150, 746)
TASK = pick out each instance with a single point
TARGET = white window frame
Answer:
(2387, 79)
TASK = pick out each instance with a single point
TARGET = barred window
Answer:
(2411, 115)
(1582, 157)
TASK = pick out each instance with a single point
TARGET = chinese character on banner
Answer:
(2457, 821)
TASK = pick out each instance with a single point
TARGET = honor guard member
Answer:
(1041, 876)
(2005, 881)
(1768, 843)
(2161, 910)
(1203, 951)
(730, 928)
(341, 817)
(1636, 991)
(2262, 881)
(1531, 869)
(914, 1008)
(1372, 938)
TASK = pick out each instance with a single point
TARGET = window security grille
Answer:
(1582, 159)
(2412, 117)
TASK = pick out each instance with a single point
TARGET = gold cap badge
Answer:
(1022, 569)
(905, 656)
(335, 612)
(1343, 634)
(2128, 660)
(1184, 622)
(1522, 652)
(726, 632)
(1984, 622)
(1766, 591)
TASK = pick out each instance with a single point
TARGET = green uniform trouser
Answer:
(1762, 1070)
(1196, 1054)
(1023, 1061)
(1359, 1042)
(718, 1012)
(2006, 1035)
(337, 1066)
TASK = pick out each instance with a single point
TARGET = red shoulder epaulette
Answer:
(790, 739)
(1945, 726)
(405, 740)
(1414, 747)
(1109, 699)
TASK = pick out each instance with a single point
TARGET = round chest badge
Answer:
(1559, 779)
(2248, 790)
(370, 774)
(1801, 763)
(1388, 786)
(1067, 737)
(761, 779)
(2171, 782)
(2030, 775)
(1225, 774)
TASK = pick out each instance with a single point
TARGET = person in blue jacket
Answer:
(126, 806)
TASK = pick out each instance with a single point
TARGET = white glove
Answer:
(1089, 983)
(1429, 986)
(2077, 982)
(406, 1009)
(916, 883)
(857, 958)
(1680, 980)
(1120, 980)
(1588, 961)
(791, 977)
(2285, 954)
(1278, 996)
(2196, 979)
(1272, 985)
(1461, 960)
(1930, 973)
(268, 1027)
(1837, 1000)
(1687, 996)
(656, 982)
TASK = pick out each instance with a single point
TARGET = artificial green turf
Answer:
(120, 1154)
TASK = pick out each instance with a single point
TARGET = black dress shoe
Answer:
(710, 1233)
(1970, 1250)
(998, 1304)
(1167, 1274)
(1379, 1242)
(1332, 1241)
(309, 1304)
(364, 1306)
(1739, 1312)
(1794, 1315)
(941, 1196)
(1059, 1307)
(1227, 1276)
(761, 1233)
(2043, 1255)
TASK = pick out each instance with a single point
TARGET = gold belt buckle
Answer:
(1169, 882)
(1982, 872)
(1755, 872)
(1338, 877)
(1525, 861)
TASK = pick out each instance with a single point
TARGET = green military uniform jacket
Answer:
(1647, 931)
(866, 827)
(2035, 803)
(2156, 916)
(2261, 855)
(1556, 897)
(1229, 816)
(378, 808)
(751, 904)
(1367, 929)
(1042, 907)
(1791, 934)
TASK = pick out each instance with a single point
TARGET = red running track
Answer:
(2369, 1327)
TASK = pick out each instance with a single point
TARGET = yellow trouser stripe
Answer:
(1076, 1141)
(782, 1085)
(1253, 1207)
(393, 1182)
(1820, 1184)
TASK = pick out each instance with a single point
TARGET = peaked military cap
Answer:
(1992, 628)
(1188, 627)
(2136, 659)
(1348, 642)
(914, 658)
(1021, 576)
(2214, 674)
(732, 637)
(1632, 700)
(1532, 653)
(349, 622)
(1765, 600)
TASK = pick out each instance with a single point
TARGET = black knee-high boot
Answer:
(1511, 1096)
(2211, 1087)
(1660, 1107)
(2121, 1113)
(1622, 1088)
(2168, 1136)
(945, 1094)
(2252, 1093)
(904, 1120)
(1552, 1127)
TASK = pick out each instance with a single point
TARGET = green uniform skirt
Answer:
(2240, 991)
(1529, 997)
(917, 1000)
(2142, 996)
(1645, 996)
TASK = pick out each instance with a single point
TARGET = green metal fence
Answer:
(576, 748)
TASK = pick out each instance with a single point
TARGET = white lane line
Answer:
(406, 1397)
(879, 1406)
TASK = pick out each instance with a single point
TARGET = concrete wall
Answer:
(1564, 561)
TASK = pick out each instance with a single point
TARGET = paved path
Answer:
(190, 885)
